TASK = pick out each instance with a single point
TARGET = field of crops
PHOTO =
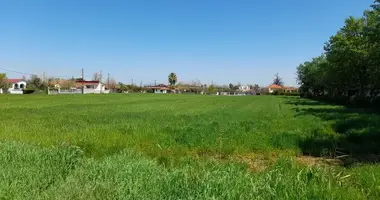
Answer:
(185, 147)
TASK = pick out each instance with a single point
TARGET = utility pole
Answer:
(44, 77)
(100, 81)
(108, 80)
(155, 83)
(82, 81)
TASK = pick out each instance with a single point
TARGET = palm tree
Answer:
(172, 79)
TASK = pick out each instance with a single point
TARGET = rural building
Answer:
(160, 89)
(273, 88)
(244, 88)
(280, 88)
(290, 89)
(90, 87)
(17, 86)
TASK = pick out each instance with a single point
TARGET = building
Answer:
(290, 89)
(274, 87)
(286, 89)
(69, 86)
(244, 88)
(160, 89)
(17, 86)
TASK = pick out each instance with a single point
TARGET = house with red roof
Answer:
(274, 87)
(17, 86)
(160, 89)
(95, 87)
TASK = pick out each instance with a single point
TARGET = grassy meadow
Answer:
(186, 147)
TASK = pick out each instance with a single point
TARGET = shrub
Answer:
(28, 91)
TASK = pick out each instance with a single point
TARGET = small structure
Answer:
(290, 89)
(223, 93)
(244, 88)
(160, 89)
(89, 87)
(273, 88)
(17, 86)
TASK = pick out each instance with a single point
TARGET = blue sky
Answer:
(245, 41)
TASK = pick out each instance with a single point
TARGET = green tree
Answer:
(36, 83)
(211, 89)
(350, 66)
(3, 81)
(172, 79)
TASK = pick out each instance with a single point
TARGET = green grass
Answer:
(103, 125)
(184, 147)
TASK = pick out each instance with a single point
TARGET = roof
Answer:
(290, 88)
(274, 86)
(15, 80)
(159, 87)
(87, 82)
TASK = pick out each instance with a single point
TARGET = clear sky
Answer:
(245, 41)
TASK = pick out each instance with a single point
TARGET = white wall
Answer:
(17, 90)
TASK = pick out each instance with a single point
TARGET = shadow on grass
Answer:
(357, 138)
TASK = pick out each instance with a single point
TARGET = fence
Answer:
(77, 91)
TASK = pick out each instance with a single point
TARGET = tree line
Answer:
(348, 71)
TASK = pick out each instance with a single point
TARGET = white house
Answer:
(17, 86)
(244, 88)
(89, 87)
(160, 89)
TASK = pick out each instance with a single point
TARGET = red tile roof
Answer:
(14, 80)
(274, 86)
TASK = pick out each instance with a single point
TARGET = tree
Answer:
(348, 70)
(36, 83)
(112, 84)
(211, 89)
(172, 79)
(97, 76)
(256, 88)
(67, 84)
(3, 81)
(278, 80)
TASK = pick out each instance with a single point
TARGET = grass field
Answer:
(186, 147)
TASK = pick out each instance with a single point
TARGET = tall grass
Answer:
(182, 147)
(174, 125)
(30, 172)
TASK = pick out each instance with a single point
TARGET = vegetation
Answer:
(172, 79)
(278, 80)
(36, 83)
(173, 146)
(348, 71)
(3, 81)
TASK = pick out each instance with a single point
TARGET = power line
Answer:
(17, 72)
(25, 73)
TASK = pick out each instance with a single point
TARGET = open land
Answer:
(186, 147)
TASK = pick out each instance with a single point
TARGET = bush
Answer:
(376, 102)
(28, 91)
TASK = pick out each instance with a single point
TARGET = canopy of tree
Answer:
(350, 66)
(3, 81)
(172, 79)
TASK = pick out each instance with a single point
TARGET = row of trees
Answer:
(349, 69)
